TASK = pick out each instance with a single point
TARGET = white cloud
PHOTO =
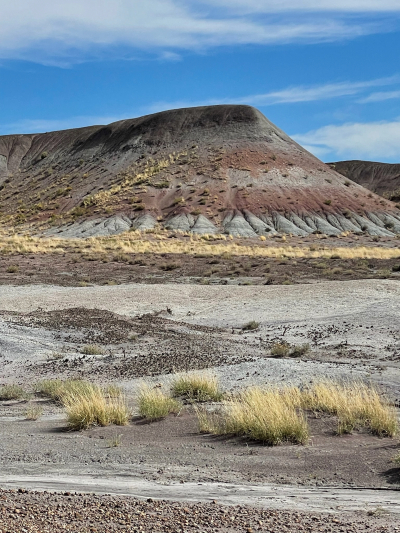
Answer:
(371, 140)
(288, 95)
(53, 31)
(380, 97)
(277, 6)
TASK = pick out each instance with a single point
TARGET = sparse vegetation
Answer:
(154, 404)
(93, 349)
(12, 392)
(251, 326)
(277, 415)
(12, 269)
(199, 387)
(355, 404)
(284, 349)
(33, 412)
(269, 416)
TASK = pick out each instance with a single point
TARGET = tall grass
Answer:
(12, 392)
(154, 404)
(200, 387)
(86, 404)
(138, 242)
(355, 404)
(276, 415)
(269, 416)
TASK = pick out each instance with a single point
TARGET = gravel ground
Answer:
(35, 512)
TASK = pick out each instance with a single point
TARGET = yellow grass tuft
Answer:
(154, 404)
(200, 387)
(87, 404)
(33, 412)
(355, 404)
(276, 415)
(269, 416)
(12, 392)
(89, 407)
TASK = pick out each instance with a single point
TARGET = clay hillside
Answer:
(217, 169)
(381, 178)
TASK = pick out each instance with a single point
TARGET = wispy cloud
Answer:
(278, 6)
(380, 97)
(289, 95)
(371, 141)
(48, 31)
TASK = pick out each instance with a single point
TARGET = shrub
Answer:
(92, 349)
(299, 349)
(280, 349)
(33, 412)
(197, 387)
(169, 266)
(12, 392)
(12, 269)
(284, 349)
(250, 326)
(154, 404)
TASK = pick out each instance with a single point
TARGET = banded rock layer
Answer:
(217, 169)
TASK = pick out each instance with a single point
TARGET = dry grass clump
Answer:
(266, 415)
(87, 406)
(284, 349)
(274, 415)
(93, 349)
(355, 404)
(154, 404)
(34, 412)
(200, 387)
(12, 392)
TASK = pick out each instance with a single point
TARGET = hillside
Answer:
(206, 170)
(381, 178)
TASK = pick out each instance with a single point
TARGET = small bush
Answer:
(169, 266)
(280, 349)
(251, 326)
(33, 412)
(154, 404)
(284, 349)
(197, 387)
(92, 349)
(12, 392)
(299, 349)
(12, 269)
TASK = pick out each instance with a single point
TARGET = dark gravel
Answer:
(41, 512)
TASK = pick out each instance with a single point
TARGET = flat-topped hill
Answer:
(207, 170)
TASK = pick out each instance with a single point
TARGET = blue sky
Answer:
(325, 71)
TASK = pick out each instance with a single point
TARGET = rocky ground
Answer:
(35, 512)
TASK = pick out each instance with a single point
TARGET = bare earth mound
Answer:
(218, 169)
